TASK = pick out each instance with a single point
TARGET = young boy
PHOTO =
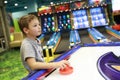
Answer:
(31, 51)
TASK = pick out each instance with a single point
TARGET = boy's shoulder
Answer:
(25, 40)
(28, 41)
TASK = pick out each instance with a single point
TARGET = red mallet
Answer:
(67, 70)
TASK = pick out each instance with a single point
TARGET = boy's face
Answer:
(34, 28)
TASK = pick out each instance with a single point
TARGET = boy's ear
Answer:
(25, 30)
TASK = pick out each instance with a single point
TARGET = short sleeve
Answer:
(27, 50)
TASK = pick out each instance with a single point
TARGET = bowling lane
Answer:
(84, 36)
(108, 36)
(46, 38)
(84, 63)
(64, 43)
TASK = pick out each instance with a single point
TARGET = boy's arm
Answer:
(43, 65)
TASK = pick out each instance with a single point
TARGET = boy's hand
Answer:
(62, 64)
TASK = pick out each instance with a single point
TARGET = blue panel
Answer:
(80, 19)
(103, 44)
(98, 16)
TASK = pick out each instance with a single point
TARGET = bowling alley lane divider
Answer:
(113, 32)
(74, 38)
(40, 75)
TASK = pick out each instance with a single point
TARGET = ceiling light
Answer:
(51, 3)
(25, 7)
(16, 4)
(5, 2)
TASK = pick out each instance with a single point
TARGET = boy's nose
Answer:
(39, 27)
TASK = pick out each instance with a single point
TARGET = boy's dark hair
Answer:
(25, 20)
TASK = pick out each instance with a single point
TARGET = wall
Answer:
(32, 7)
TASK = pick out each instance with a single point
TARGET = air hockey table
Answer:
(84, 63)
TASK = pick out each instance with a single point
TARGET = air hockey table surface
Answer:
(84, 63)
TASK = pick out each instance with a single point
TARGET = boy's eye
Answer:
(35, 25)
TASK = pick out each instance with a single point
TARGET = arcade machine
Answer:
(99, 20)
(80, 20)
(47, 22)
(63, 16)
(64, 25)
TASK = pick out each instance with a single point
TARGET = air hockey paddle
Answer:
(67, 70)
